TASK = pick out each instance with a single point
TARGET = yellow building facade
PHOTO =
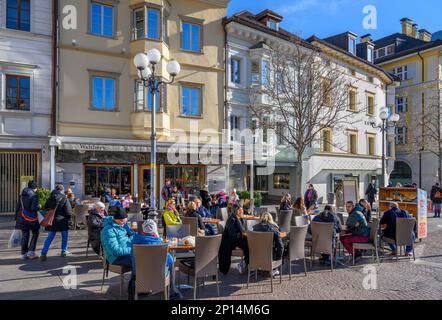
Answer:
(104, 113)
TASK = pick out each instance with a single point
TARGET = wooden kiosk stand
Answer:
(412, 200)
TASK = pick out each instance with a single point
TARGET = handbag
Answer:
(49, 216)
(23, 215)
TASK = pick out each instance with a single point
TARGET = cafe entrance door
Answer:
(144, 182)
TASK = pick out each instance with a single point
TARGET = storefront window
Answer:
(188, 179)
(98, 178)
(281, 181)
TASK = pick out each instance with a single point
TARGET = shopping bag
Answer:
(48, 219)
(15, 239)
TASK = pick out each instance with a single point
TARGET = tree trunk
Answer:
(298, 178)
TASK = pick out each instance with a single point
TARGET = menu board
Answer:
(422, 214)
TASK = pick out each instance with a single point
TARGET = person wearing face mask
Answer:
(116, 239)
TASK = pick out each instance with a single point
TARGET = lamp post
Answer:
(146, 64)
(383, 127)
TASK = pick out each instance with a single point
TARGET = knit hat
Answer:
(120, 214)
(32, 185)
(150, 227)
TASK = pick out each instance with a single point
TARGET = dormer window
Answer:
(352, 45)
(272, 24)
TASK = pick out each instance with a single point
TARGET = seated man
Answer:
(203, 212)
(364, 207)
(116, 239)
(150, 236)
(388, 225)
(358, 229)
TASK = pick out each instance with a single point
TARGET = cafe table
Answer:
(210, 220)
(172, 249)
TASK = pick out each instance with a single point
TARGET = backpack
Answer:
(438, 195)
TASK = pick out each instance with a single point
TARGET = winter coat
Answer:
(62, 214)
(278, 245)
(171, 218)
(30, 210)
(148, 240)
(232, 235)
(116, 240)
(107, 197)
(364, 211)
(371, 193)
(95, 225)
(327, 217)
(205, 199)
(313, 201)
(389, 219)
(194, 214)
(203, 212)
(357, 217)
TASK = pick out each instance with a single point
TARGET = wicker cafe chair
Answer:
(150, 266)
(297, 247)
(372, 245)
(261, 255)
(205, 263)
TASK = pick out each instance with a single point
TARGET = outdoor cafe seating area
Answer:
(197, 257)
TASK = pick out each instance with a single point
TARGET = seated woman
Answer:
(299, 210)
(95, 225)
(286, 202)
(328, 216)
(116, 239)
(268, 225)
(170, 215)
(203, 212)
(191, 212)
(234, 236)
(150, 236)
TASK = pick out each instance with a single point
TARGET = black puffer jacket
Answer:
(31, 208)
(278, 245)
(63, 213)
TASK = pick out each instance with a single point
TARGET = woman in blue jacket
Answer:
(116, 239)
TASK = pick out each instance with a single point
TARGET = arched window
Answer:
(402, 173)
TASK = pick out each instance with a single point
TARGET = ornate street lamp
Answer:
(146, 64)
(383, 126)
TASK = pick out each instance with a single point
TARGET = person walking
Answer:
(311, 197)
(26, 217)
(62, 217)
(436, 198)
(166, 192)
(371, 193)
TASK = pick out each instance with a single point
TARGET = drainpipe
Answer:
(422, 120)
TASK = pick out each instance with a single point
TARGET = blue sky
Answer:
(328, 17)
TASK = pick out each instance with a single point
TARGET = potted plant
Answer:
(245, 195)
(43, 196)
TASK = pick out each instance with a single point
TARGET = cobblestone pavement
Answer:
(406, 279)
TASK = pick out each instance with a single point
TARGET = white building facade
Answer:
(359, 156)
(25, 96)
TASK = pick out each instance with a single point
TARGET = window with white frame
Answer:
(352, 45)
(281, 133)
(370, 54)
(234, 127)
(104, 92)
(272, 24)
(401, 135)
(144, 98)
(401, 104)
(401, 72)
(18, 92)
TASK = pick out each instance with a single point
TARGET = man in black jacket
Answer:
(26, 216)
(436, 198)
(62, 218)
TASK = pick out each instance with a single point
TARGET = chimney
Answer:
(407, 26)
(425, 35)
(414, 31)
(366, 38)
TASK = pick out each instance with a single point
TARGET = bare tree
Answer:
(303, 93)
(427, 133)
